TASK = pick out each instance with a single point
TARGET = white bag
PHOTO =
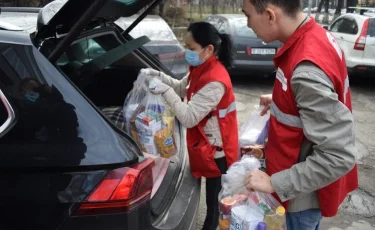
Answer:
(255, 129)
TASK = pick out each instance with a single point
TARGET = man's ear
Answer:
(271, 15)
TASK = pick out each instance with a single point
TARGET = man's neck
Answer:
(290, 25)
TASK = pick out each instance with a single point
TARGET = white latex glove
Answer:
(158, 87)
(156, 73)
(153, 72)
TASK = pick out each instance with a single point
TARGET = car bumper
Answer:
(256, 67)
(181, 215)
(183, 212)
(361, 70)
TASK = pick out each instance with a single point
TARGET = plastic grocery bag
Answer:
(255, 129)
(240, 208)
(134, 98)
(254, 135)
(151, 121)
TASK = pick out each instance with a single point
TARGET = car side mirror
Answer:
(326, 27)
(7, 115)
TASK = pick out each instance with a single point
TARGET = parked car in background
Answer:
(370, 13)
(8, 26)
(164, 44)
(66, 162)
(356, 36)
(23, 17)
(251, 53)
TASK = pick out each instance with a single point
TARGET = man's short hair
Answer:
(290, 7)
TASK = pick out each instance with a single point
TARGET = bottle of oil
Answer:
(275, 219)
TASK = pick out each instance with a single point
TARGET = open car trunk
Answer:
(103, 64)
(107, 86)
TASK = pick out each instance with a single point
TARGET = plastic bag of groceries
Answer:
(242, 209)
(253, 135)
(134, 98)
(151, 121)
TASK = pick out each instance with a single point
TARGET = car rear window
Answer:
(241, 29)
(154, 28)
(371, 28)
(55, 126)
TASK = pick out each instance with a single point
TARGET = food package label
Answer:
(245, 218)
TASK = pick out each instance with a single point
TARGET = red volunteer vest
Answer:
(201, 152)
(309, 43)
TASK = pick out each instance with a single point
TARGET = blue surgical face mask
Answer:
(192, 57)
(31, 96)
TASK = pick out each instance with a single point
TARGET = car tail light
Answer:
(361, 68)
(249, 51)
(172, 56)
(120, 191)
(361, 40)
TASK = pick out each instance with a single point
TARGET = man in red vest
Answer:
(311, 164)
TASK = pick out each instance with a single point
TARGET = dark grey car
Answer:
(251, 53)
(66, 162)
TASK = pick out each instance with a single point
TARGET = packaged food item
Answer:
(261, 226)
(165, 143)
(275, 219)
(226, 204)
(224, 222)
(253, 150)
(245, 217)
(149, 119)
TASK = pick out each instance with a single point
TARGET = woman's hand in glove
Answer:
(157, 87)
(153, 72)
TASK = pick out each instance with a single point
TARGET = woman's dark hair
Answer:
(206, 34)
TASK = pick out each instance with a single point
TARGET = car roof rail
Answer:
(21, 9)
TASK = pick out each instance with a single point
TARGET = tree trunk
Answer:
(338, 9)
(351, 3)
(326, 13)
(214, 6)
(200, 2)
(191, 9)
(320, 6)
(161, 8)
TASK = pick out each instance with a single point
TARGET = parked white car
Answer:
(356, 36)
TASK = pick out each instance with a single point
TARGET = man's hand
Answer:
(265, 100)
(157, 87)
(259, 181)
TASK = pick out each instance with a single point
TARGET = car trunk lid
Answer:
(69, 18)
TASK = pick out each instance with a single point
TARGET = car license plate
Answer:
(263, 51)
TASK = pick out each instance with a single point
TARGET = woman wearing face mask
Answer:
(210, 112)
